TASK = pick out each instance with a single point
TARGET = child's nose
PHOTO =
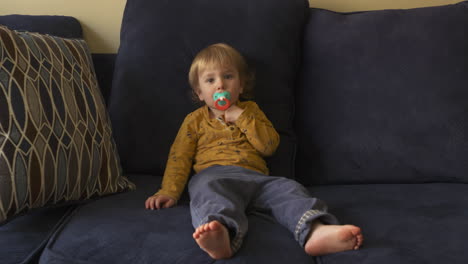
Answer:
(220, 85)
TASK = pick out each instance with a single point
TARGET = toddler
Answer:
(226, 149)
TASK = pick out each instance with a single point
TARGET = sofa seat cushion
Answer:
(401, 223)
(23, 238)
(118, 229)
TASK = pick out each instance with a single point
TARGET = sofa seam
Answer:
(58, 229)
(37, 252)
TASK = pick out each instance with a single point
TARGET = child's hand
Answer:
(159, 201)
(232, 113)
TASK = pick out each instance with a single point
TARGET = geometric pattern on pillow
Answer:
(56, 142)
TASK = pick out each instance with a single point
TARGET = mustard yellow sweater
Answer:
(203, 142)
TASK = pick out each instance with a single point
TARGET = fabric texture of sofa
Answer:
(370, 106)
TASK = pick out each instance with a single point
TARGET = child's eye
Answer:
(210, 80)
(228, 76)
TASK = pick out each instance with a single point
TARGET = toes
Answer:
(355, 230)
(198, 232)
(214, 225)
(201, 229)
(359, 240)
(211, 226)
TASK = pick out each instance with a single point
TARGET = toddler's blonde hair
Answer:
(221, 55)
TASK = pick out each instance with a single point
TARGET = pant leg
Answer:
(291, 205)
(221, 193)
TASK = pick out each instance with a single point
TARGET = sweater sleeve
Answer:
(179, 162)
(258, 129)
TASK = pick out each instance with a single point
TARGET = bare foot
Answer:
(326, 239)
(214, 239)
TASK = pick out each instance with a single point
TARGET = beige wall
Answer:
(101, 19)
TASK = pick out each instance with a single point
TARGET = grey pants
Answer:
(227, 193)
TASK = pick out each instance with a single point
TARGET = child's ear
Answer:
(198, 93)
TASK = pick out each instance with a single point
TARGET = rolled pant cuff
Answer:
(303, 227)
(236, 242)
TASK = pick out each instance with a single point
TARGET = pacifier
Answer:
(222, 100)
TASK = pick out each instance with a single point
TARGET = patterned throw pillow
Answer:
(56, 142)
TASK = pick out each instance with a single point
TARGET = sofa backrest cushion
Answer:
(151, 96)
(384, 96)
(60, 26)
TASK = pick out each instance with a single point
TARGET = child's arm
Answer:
(258, 129)
(178, 165)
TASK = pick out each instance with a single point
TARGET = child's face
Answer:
(218, 79)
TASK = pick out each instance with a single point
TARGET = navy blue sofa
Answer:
(372, 109)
